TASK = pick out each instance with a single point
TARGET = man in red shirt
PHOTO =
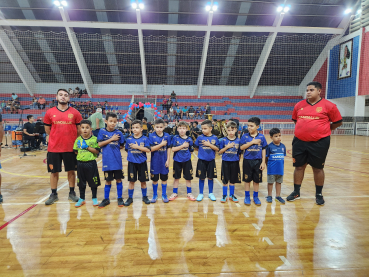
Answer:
(62, 126)
(315, 118)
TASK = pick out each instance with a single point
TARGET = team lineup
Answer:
(71, 141)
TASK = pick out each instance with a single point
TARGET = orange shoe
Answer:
(173, 196)
(191, 197)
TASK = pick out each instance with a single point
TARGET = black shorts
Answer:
(206, 169)
(137, 171)
(310, 152)
(187, 170)
(87, 172)
(252, 171)
(54, 161)
(231, 172)
(155, 177)
(113, 175)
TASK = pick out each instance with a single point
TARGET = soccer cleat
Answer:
(80, 203)
(191, 197)
(120, 202)
(128, 202)
(293, 196)
(52, 199)
(95, 202)
(200, 197)
(1, 199)
(233, 198)
(247, 200)
(154, 199)
(165, 198)
(319, 199)
(104, 203)
(72, 196)
(173, 196)
(257, 201)
(269, 199)
(224, 199)
(212, 197)
(280, 200)
(146, 200)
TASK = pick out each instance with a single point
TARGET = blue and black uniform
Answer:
(182, 158)
(252, 158)
(231, 161)
(206, 167)
(159, 157)
(137, 166)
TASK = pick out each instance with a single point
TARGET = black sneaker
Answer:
(73, 197)
(1, 199)
(146, 200)
(128, 202)
(293, 196)
(104, 203)
(319, 199)
(52, 199)
(120, 202)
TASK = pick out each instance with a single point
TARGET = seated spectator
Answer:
(3, 106)
(28, 131)
(198, 112)
(14, 96)
(208, 109)
(15, 106)
(53, 104)
(9, 106)
(191, 112)
(98, 106)
(173, 96)
(34, 102)
(41, 103)
(178, 112)
(184, 112)
(171, 113)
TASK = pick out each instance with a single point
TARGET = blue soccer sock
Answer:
(225, 190)
(189, 189)
(256, 194)
(107, 191)
(211, 185)
(119, 189)
(231, 190)
(144, 191)
(130, 193)
(175, 190)
(164, 189)
(201, 186)
(155, 189)
(247, 193)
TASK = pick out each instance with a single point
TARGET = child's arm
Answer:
(226, 147)
(177, 148)
(157, 147)
(93, 150)
(262, 166)
(247, 145)
(212, 146)
(168, 156)
(106, 142)
(141, 148)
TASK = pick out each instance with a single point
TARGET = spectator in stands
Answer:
(184, 112)
(178, 112)
(198, 112)
(97, 121)
(171, 113)
(208, 109)
(99, 106)
(70, 91)
(3, 106)
(191, 112)
(28, 131)
(173, 96)
(53, 104)
(127, 127)
(14, 97)
(106, 106)
(15, 106)
(33, 104)
(9, 106)
(41, 103)
(146, 127)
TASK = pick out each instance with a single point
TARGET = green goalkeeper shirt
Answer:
(83, 154)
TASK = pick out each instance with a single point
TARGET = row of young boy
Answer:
(110, 141)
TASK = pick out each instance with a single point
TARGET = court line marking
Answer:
(246, 214)
(256, 226)
(238, 205)
(268, 240)
(284, 260)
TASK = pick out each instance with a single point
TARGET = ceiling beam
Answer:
(17, 62)
(170, 27)
(77, 53)
(204, 56)
(142, 51)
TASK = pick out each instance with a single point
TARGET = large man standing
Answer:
(315, 118)
(62, 126)
(97, 121)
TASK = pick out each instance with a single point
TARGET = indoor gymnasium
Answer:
(184, 138)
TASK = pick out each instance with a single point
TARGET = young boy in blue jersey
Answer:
(160, 153)
(137, 145)
(111, 141)
(231, 152)
(275, 154)
(182, 147)
(255, 146)
(207, 144)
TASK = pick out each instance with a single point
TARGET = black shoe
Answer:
(52, 199)
(104, 203)
(146, 200)
(1, 199)
(128, 202)
(73, 197)
(319, 199)
(293, 196)
(120, 202)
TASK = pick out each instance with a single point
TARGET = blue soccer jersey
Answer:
(205, 152)
(184, 154)
(135, 155)
(159, 157)
(254, 152)
(231, 154)
(111, 155)
(276, 156)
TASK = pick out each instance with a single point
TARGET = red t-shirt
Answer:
(63, 129)
(313, 121)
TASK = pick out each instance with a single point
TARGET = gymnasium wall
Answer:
(364, 65)
(345, 105)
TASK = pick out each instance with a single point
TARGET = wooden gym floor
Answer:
(186, 238)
